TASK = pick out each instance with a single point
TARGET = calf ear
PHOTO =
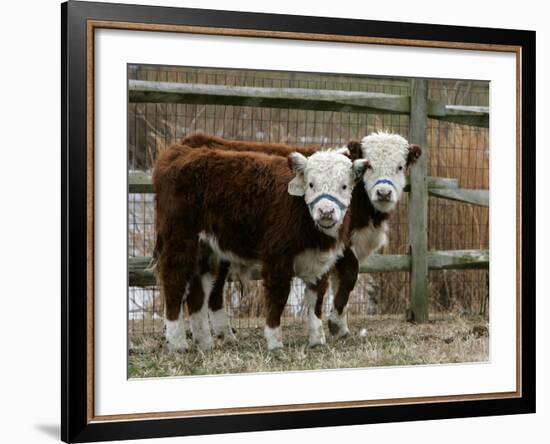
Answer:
(414, 153)
(359, 167)
(297, 163)
(344, 151)
(355, 150)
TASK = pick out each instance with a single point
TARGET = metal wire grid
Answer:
(455, 151)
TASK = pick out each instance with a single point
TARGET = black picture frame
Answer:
(76, 423)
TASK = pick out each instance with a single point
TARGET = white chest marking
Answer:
(368, 240)
(311, 264)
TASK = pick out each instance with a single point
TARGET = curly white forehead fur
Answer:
(384, 148)
(329, 160)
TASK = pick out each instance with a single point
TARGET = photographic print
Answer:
(283, 221)
(276, 221)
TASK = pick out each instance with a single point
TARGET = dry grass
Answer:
(390, 341)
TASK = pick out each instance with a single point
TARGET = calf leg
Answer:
(176, 269)
(277, 289)
(174, 326)
(343, 280)
(218, 315)
(198, 310)
(314, 300)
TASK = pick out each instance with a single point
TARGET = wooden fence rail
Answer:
(141, 275)
(420, 186)
(144, 91)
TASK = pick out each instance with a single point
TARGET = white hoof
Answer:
(316, 341)
(176, 336)
(229, 337)
(221, 328)
(316, 332)
(338, 325)
(274, 338)
(205, 343)
(177, 348)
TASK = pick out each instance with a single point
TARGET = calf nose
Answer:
(326, 213)
(383, 194)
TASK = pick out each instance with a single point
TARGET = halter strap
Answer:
(387, 181)
(330, 197)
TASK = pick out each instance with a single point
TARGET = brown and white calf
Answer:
(240, 206)
(388, 156)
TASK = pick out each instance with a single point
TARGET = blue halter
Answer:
(330, 197)
(387, 181)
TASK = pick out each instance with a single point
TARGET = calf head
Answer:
(388, 157)
(326, 181)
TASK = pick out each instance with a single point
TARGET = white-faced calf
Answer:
(389, 156)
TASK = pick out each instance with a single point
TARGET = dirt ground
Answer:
(389, 341)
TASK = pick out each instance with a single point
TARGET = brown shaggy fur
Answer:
(200, 139)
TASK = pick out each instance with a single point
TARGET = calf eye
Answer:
(344, 187)
(311, 185)
(400, 168)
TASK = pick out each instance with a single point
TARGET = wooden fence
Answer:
(420, 185)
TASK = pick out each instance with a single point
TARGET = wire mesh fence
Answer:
(457, 151)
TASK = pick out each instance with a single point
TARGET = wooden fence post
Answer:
(418, 205)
